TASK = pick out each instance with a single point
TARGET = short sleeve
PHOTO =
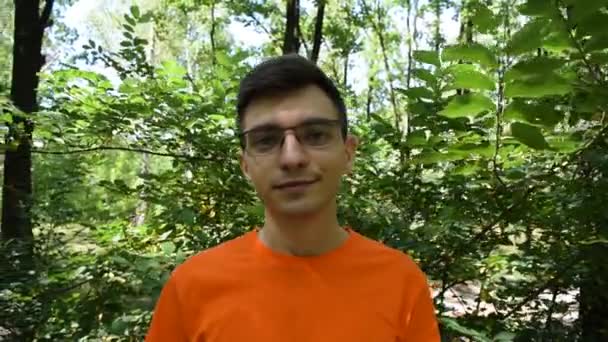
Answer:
(420, 322)
(167, 324)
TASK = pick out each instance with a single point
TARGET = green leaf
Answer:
(591, 100)
(135, 12)
(543, 114)
(533, 67)
(128, 28)
(186, 216)
(467, 76)
(470, 149)
(420, 107)
(546, 85)
(425, 75)
(599, 57)
(483, 18)
(528, 135)
(223, 59)
(432, 157)
(557, 40)
(139, 41)
(596, 43)
(474, 53)
(173, 69)
(168, 247)
(596, 23)
(538, 8)
(466, 169)
(581, 9)
(453, 325)
(528, 38)
(146, 17)
(6, 118)
(416, 92)
(428, 57)
(469, 105)
(416, 138)
(130, 20)
(565, 143)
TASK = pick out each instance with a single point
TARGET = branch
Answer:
(499, 115)
(599, 77)
(259, 24)
(119, 148)
(593, 141)
(484, 230)
(46, 14)
(386, 66)
(57, 292)
(548, 284)
(301, 38)
(370, 90)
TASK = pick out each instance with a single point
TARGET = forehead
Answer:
(290, 109)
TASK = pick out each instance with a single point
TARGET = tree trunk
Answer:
(212, 33)
(593, 298)
(345, 70)
(139, 217)
(291, 43)
(16, 258)
(318, 36)
(27, 61)
(437, 39)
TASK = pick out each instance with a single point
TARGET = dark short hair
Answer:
(284, 74)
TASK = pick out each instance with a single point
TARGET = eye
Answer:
(263, 141)
(317, 135)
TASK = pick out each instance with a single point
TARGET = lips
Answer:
(295, 184)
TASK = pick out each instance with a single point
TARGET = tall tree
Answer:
(291, 42)
(30, 24)
(318, 35)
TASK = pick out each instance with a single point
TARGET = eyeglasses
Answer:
(316, 133)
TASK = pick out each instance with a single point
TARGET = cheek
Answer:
(333, 166)
(260, 178)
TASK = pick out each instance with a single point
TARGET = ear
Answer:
(350, 148)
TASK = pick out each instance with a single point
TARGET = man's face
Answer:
(301, 174)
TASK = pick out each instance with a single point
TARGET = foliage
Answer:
(485, 159)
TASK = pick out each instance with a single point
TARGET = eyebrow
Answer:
(270, 125)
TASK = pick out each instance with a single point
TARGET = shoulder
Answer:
(396, 260)
(214, 258)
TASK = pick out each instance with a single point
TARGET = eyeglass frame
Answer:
(309, 121)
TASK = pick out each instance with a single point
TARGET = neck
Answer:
(303, 235)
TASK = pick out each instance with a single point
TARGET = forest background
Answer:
(484, 152)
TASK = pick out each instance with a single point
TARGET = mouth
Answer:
(295, 185)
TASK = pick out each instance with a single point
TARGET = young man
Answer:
(301, 276)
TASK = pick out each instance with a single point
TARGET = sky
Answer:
(78, 14)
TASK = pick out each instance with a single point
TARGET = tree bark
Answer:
(437, 38)
(318, 36)
(17, 257)
(212, 33)
(27, 62)
(345, 70)
(291, 42)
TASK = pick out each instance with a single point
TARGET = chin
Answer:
(297, 209)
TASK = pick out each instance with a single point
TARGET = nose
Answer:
(292, 155)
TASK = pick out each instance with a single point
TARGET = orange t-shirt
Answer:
(241, 290)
